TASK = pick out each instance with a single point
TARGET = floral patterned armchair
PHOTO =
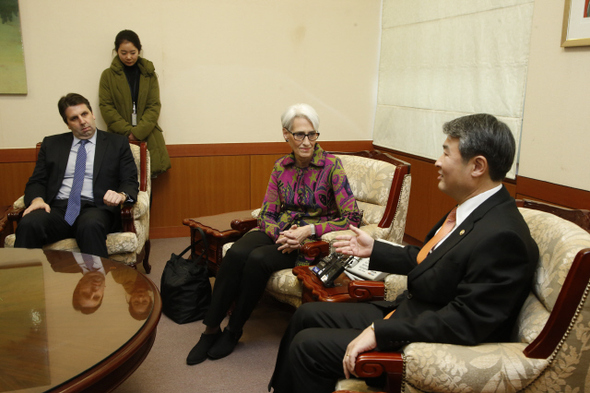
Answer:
(550, 350)
(132, 245)
(381, 186)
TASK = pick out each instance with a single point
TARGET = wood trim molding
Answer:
(208, 150)
(552, 193)
(18, 155)
(260, 148)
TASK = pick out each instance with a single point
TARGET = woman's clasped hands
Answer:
(292, 238)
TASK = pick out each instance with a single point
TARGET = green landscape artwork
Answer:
(13, 78)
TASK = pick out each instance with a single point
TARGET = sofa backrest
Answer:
(381, 185)
(370, 181)
(559, 242)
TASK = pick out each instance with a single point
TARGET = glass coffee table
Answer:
(72, 322)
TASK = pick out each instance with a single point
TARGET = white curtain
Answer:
(448, 58)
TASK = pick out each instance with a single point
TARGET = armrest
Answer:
(363, 291)
(142, 205)
(127, 218)
(14, 215)
(373, 364)
(16, 212)
(316, 250)
(321, 248)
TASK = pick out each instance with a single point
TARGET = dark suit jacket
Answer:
(470, 289)
(114, 168)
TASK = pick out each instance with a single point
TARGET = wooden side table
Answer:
(219, 230)
(315, 291)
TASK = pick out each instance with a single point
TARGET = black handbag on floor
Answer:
(185, 286)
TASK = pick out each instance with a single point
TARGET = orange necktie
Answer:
(444, 230)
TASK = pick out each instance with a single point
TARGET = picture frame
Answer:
(576, 23)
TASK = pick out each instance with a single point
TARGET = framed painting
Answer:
(13, 79)
(576, 23)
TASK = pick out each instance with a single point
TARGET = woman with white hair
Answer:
(308, 195)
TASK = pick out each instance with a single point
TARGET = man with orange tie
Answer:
(465, 286)
(79, 181)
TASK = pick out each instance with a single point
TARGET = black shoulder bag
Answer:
(185, 286)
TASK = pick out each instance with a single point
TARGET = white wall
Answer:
(227, 68)
(556, 128)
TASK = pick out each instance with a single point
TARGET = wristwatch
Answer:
(125, 195)
(312, 230)
(373, 326)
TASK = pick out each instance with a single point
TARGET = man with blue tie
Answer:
(80, 180)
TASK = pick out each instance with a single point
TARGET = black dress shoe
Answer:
(199, 352)
(225, 345)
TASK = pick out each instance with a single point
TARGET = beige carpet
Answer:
(246, 370)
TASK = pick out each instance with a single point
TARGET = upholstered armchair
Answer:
(381, 186)
(550, 350)
(132, 245)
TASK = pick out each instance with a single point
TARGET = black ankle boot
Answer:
(225, 345)
(199, 352)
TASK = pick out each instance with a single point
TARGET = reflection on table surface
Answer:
(61, 313)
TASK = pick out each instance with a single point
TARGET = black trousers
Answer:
(242, 278)
(311, 351)
(90, 229)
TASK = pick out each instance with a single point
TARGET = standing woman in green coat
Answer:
(130, 99)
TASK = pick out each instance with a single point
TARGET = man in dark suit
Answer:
(465, 287)
(107, 178)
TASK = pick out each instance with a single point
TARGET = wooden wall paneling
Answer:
(261, 168)
(198, 186)
(527, 188)
(427, 203)
(13, 178)
(511, 188)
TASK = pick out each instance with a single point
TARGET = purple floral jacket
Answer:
(319, 194)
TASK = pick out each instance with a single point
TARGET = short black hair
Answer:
(483, 134)
(71, 99)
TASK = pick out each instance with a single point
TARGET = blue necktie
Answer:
(73, 208)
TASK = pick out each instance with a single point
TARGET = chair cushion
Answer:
(9, 241)
(355, 385)
(284, 282)
(454, 368)
(117, 243)
(395, 285)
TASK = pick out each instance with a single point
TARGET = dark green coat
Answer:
(116, 109)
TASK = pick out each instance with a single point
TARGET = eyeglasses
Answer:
(300, 136)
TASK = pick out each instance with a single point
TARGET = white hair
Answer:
(300, 110)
